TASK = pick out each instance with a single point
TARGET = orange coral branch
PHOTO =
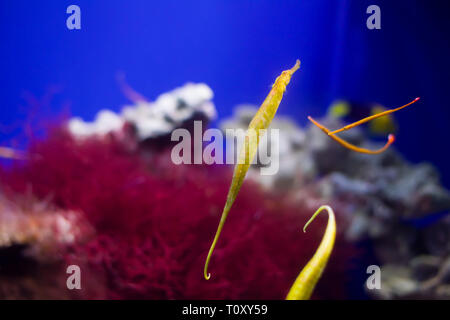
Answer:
(342, 142)
(384, 113)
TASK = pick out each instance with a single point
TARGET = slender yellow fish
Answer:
(256, 129)
(306, 281)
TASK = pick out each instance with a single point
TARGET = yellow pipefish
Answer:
(256, 129)
(308, 277)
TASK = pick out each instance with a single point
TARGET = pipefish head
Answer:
(285, 77)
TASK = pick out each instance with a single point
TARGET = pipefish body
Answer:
(256, 129)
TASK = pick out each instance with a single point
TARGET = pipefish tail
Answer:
(256, 129)
(306, 281)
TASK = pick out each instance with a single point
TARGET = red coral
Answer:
(154, 222)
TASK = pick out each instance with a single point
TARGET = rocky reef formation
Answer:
(151, 120)
(38, 226)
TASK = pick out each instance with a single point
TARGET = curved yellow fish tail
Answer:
(311, 273)
(256, 129)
